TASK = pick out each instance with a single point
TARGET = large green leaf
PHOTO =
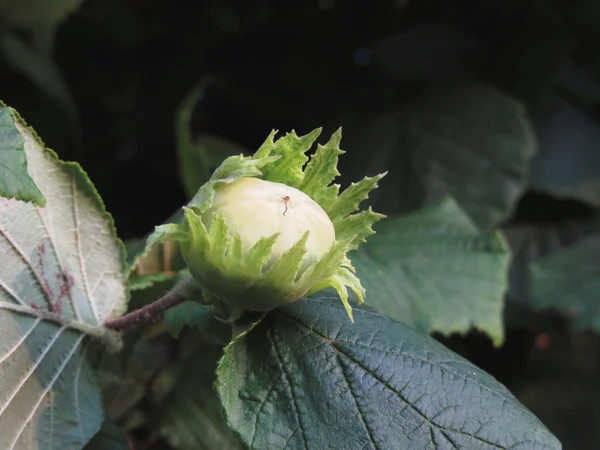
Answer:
(15, 182)
(474, 143)
(471, 142)
(191, 416)
(568, 163)
(434, 270)
(307, 378)
(61, 277)
(569, 281)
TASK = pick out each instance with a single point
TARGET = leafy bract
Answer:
(247, 278)
(434, 270)
(568, 281)
(15, 182)
(61, 278)
(306, 377)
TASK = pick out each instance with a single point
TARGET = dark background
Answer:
(300, 65)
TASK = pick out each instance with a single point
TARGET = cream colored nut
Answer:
(256, 208)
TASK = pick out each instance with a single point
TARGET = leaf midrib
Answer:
(80, 326)
(330, 342)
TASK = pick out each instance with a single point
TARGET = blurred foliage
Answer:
(494, 102)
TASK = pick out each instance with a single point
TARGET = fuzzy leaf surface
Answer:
(568, 281)
(15, 182)
(434, 270)
(305, 377)
(61, 277)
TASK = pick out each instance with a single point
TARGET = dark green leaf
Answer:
(569, 281)
(110, 437)
(61, 278)
(125, 378)
(473, 143)
(15, 182)
(306, 377)
(434, 270)
(529, 243)
(568, 162)
(186, 314)
(191, 416)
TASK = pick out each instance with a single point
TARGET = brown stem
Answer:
(154, 311)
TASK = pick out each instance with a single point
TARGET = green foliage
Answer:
(188, 313)
(62, 277)
(485, 115)
(310, 374)
(562, 168)
(247, 278)
(476, 144)
(15, 182)
(568, 281)
(471, 142)
(433, 269)
(191, 417)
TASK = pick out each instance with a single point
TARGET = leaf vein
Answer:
(76, 394)
(407, 402)
(289, 386)
(32, 370)
(36, 275)
(10, 292)
(258, 413)
(58, 260)
(82, 264)
(48, 389)
(20, 342)
(360, 413)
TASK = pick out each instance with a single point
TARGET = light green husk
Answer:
(234, 279)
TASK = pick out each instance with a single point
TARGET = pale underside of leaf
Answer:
(61, 277)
